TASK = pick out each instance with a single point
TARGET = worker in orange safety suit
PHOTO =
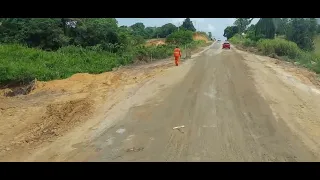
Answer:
(177, 55)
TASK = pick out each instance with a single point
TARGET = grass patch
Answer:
(287, 50)
(20, 64)
(317, 45)
(279, 47)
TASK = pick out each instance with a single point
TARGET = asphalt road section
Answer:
(222, 114)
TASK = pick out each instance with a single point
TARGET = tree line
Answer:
(301, 31)
(54, 33)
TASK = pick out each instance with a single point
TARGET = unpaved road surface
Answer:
(234, 106)
(225, 119)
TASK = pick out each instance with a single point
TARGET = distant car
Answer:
(219, 40)
(226, 45)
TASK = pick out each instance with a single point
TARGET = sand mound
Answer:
(58, 118)
(162, 41)
(81, 82)
(155, 42)
(199, 36)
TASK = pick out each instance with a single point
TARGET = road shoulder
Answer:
(293, 101)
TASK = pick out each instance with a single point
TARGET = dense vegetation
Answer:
(291, 39)
(55, 48)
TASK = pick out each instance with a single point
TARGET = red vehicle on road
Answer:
(226, 45)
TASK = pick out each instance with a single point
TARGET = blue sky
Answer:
(214, 25)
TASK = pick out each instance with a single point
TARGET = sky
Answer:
(214, 25)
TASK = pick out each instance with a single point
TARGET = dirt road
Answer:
(234, 106)
(224, 118)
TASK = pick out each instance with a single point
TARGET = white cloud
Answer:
(211, 28)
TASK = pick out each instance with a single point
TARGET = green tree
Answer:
(230, 31)
(242, 24)
(137, 26)
(301, 31)
(138, 29)
(251, 33)
(188, 25)
(97, 31)
(150, 31)
(266, 28)
(11, 30)
(45, 33)
(166, 30)
(180, 37)
(313, 27)
(281, 25)
(210, 35)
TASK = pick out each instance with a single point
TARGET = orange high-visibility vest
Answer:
(177, 52)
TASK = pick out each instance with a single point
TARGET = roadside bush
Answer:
(154, 52)
(288, 50)
(20, 64)
(180, 37)
(279, 47)
(162, 51)
(249, 43)
(237, 39)
(195, 44)
(309, 60)
(145, 53)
